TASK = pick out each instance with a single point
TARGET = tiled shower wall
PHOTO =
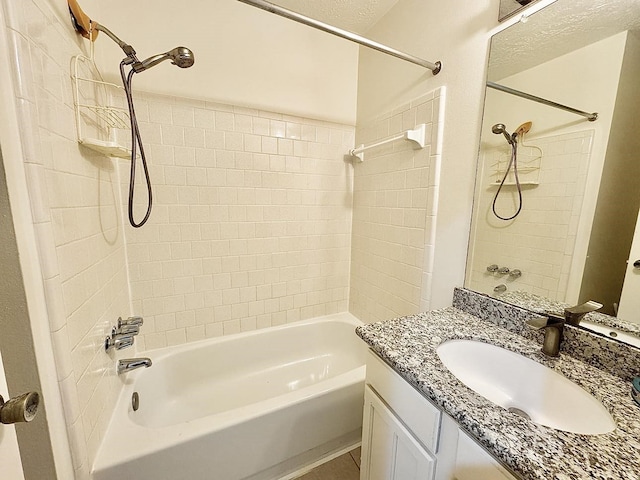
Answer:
(395, 195)
(76, 208)
(540, 241)
(251, 221)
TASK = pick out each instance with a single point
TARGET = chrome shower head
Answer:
(499, 128)
(180, 56)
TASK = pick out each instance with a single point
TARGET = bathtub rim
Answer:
(163, 352)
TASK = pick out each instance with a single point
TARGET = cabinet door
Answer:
(389, 450)
(474, 463)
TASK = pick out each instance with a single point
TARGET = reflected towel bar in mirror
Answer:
(592, 117)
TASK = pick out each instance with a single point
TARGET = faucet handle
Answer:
(574, 314)
(135, 321)
(127, 330)
(118, 342)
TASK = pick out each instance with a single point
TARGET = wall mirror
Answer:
(509, 8)
(574, 235)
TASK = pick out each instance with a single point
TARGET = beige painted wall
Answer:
(619, 196)
(236, 47)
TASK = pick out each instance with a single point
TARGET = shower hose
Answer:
(136, 142)
(512, 163)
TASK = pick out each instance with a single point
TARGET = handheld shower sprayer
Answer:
(180, 56)
(499, 128)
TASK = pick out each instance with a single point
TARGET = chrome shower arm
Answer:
(150, 62)
(126, 48)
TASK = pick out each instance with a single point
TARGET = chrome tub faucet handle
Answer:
(130, 330)
(131, 321)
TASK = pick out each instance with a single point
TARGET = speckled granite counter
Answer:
(533, 451)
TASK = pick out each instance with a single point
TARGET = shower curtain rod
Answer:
(354, 37)
(592, 117)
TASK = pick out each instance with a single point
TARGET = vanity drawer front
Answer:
(406, 402)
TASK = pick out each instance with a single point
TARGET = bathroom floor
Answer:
(344, 467)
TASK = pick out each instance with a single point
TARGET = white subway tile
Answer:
(213, 330)
(214, 138)
(204, 118)
(155, 340)
(194, 137)
(172, 135)
(183, 116)
(277, 128)
(261, 126)
(224, 121)
(160, 113)
(195, 333)
(234, 141)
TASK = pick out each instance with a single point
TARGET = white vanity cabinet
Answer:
(392, 452)
(474, 463)
(406, 437)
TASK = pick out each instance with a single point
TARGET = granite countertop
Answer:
(530, 450)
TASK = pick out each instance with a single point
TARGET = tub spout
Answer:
(127, 364)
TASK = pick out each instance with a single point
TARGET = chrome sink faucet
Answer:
(553, 333)
(554, 325)
(127, 364)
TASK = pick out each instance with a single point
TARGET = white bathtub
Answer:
(258, 405)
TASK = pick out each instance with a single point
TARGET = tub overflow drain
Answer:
(519, 412)
(135, 401)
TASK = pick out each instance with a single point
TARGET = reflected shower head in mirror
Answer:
(180, 56)
(499, 128)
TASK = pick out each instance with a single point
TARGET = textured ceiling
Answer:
(559, 29)
(354, 15)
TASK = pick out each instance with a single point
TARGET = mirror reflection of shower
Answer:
(499, 128)
(512, 139)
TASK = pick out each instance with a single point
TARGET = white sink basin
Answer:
(526, 387)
